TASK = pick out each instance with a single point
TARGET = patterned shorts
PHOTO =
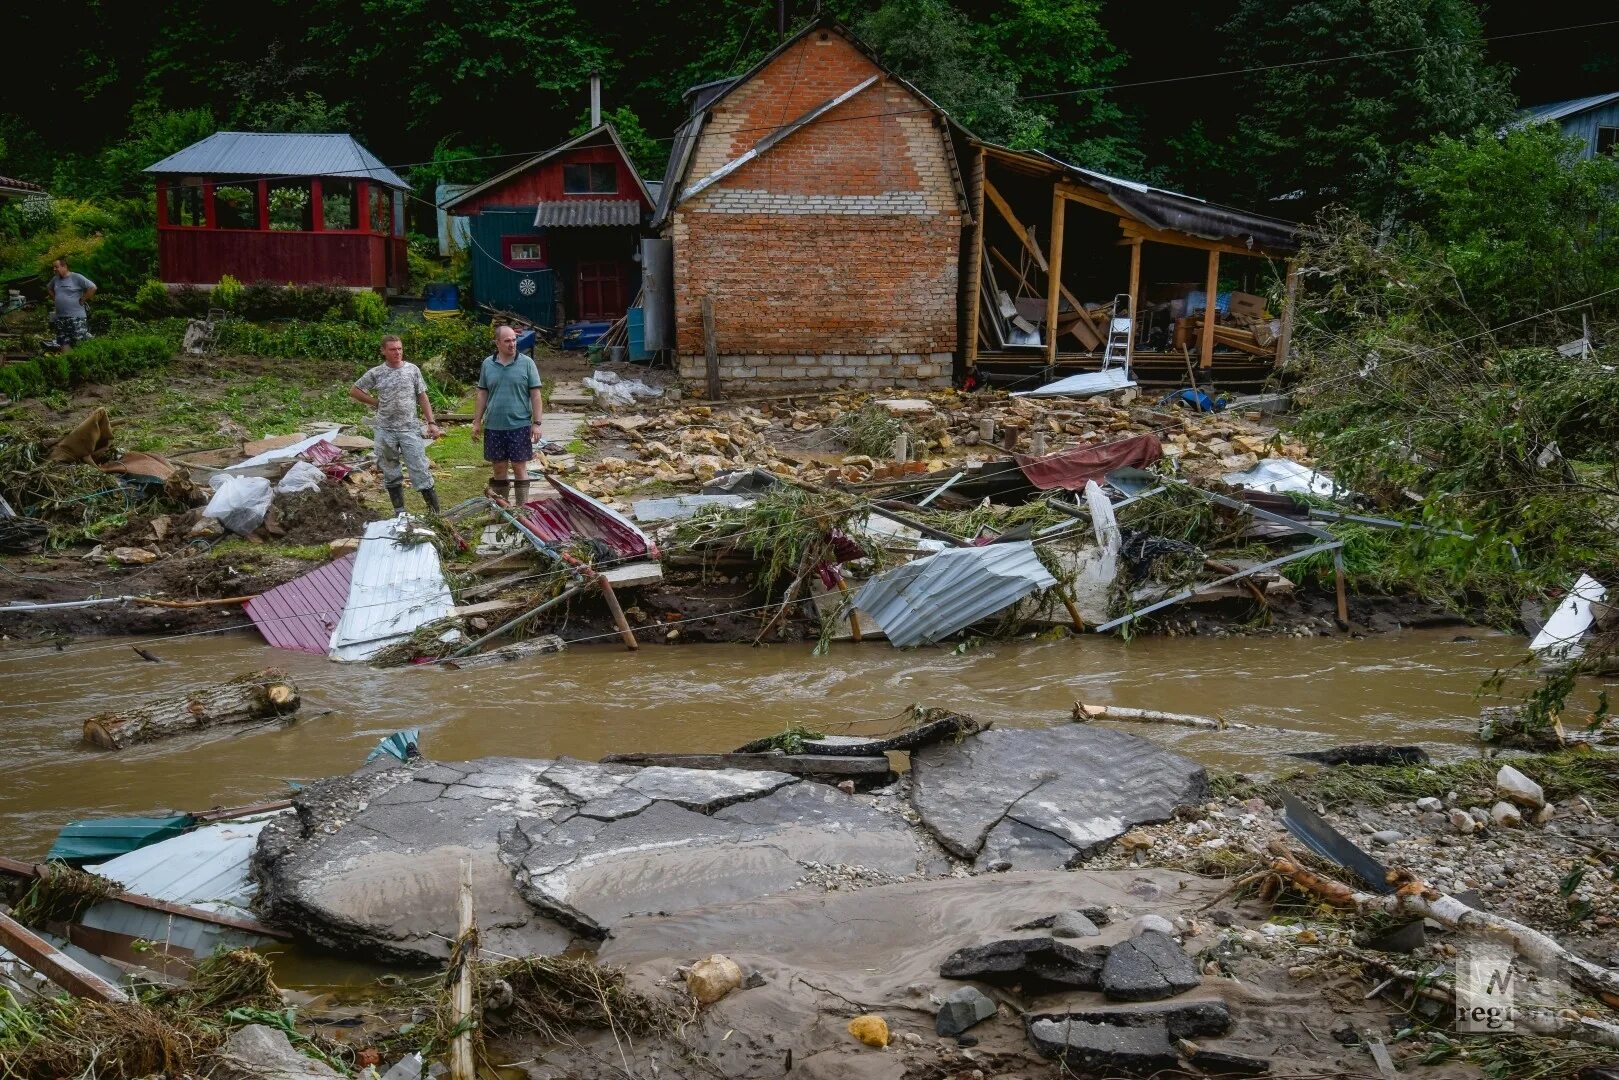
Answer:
(71, 328)
(510, 444)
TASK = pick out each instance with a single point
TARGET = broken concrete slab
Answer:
(260, 1052)
(1036, 964)
(1088, 1048)
(705, 790)
(1148, 967)
(1050, 796)
(862, 769)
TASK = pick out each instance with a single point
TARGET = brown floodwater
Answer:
(1408, 687)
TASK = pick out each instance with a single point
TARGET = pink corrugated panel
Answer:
(303, 613)
(577, 515)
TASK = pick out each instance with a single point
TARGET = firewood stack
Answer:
(1246, 326)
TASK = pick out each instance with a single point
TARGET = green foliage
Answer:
(265, 301)
(152, 300)
(152, 134)
(462, 345)
(369, 309)
(101, 360)
(123, 261)
(228, 293)
(649, 155)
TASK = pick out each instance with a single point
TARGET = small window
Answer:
(339, 204)
(236, 206)
(1607, 140)
(524, 252)
(589, 179)
(186, 207)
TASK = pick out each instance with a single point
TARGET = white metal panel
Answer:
(396, 588)
(929, 599)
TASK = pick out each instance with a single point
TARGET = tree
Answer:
(1339, 91)
(647, 154)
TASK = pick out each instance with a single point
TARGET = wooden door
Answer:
(601, 290)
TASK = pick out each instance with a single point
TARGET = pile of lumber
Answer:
(1246, 327)
(1015, 314)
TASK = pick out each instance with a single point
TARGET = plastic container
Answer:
(582, 335)
(635, 334)
(441, 296)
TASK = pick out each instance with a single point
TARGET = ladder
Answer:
(1121, 327)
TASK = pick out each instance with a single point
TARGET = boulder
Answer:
(1518, 788)
(1036, 964)
(1151, 922)
(713, 978)
(1026, 799)
(1148, 967)
(260, 1052)
(1073, 924)
(1505, 814)
(962, 1009)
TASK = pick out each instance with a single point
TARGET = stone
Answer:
(343, 546)
(713, 978)
(1385, 837)
(1518, 788)
(1151, 922)
(1089, 1049)
(1036, 964)
(1052, 796)
(1073, 924)
(1430, 803)
(260, 1052)
(134, 556)
(962, 1009)
(1462, 821)
(1505, 814)
(1544, 814)
(207, 527)
(1479, 814)
(1365, 754)
(870, 1029)
(1147, 967)
(1225, 1063)
(1182, 1020)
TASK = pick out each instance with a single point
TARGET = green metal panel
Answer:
(529, 293)
(99, 839)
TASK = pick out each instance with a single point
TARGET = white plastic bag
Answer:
(610, 389)
(240, 503)
(301, 477)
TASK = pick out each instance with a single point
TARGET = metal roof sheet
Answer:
(578, 516)
(302, 613)
(264, 154)
(929, 599)
(12, 185)
(568, 212)
(1557, 110)
(396, 588)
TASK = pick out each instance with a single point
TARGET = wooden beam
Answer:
(1206, 358)
(1094, 199)
(975, 263)
(1013, 270)
(1135, 299)
(1136, 230)
(711, 357)
(1023, 234)
(1284, 340)
(56, 965)
(1059, 210)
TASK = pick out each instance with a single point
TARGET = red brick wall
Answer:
(840, 242)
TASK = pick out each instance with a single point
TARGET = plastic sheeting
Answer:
(929, 599)
(1280, 475)
(1560, 638)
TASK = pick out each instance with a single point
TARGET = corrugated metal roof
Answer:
(929, 599)
(578, 516)
(205, 868)
(302, 613)
(1557, 110)
(568, 212)
(11, 184)
(263, 154)
(396, 588)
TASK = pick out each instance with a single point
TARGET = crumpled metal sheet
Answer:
(929, 599)
(396, 588)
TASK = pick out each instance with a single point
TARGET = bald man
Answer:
(507, 415)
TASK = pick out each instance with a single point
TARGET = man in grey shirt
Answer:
(71, 321)
(395, 389)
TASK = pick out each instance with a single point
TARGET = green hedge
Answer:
(463, 345)
(96, 361)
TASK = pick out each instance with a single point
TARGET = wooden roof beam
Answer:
(1094, 199)
(1135, 229)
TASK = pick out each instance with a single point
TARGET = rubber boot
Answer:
(501, 488)
(396, 495)
(430, 497)
(522, 491)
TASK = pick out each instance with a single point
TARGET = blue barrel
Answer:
(635, 328)
(525, 341)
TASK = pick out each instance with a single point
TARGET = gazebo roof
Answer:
(268, 155)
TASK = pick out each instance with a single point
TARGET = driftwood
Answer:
(1084, 713)
(506, 654)
(261, 695)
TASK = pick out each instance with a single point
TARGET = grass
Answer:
(459, 470)
(245, 551)
(160, 412)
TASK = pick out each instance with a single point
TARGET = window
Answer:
(589, 179)
(236, 206)
(382, 209)
(1607, 140)
(524, 252)
(186, 206)
(290, 210)
(339, 204)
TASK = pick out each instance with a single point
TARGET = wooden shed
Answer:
(1594, 120)
(280, 208)
(555, 238)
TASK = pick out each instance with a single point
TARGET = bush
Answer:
(123, 260)
(192, 302)
(228, 293)
(463, 345)
(266, 301)
(99, 360)
(152, 301)
(370, 309)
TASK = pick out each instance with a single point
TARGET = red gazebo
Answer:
(280, 208)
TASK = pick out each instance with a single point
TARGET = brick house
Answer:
(815, 204)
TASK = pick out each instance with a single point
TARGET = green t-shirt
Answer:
(508, 386)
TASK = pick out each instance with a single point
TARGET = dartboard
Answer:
(526, 286)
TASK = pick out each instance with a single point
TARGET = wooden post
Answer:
(711, 353)
(1206, 350)
(843, 586)
(55, 965)
(1135, 299)
(317, 210)
(264, 206)
(624, 632)
(1054, 286)
(461, 1064)
(162, 203)
(975, 267)
(362, 209)
(1284, 340)
(1343, 598)
(208, 205)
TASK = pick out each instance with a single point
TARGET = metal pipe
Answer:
(513, 624)
(882, 510)
(1189, 593)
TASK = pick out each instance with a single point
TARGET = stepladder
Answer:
(1120, 329)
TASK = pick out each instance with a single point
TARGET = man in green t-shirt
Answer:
(507, 414)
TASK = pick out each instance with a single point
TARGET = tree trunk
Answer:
(261, 695)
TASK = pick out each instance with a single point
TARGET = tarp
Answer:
(1069, 470)
(1281, 475)
(1560, 638)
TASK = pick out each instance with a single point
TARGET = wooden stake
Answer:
(711, 355)
(1059, 207)
(624, 632)
(56, 965)
(1135, 298)
(461, 1064)
(1343, 598)
(1284, 340)
(1207, 355)
(843, 586)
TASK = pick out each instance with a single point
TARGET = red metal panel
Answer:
(201, 256)
(576, 516)
(302, 614)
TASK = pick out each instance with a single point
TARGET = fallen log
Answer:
(506, 654)
(1084, 713)
(261, 695)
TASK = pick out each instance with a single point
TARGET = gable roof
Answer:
(710, 94)
(12, 186)
(587, 139)
(273, 154)
(1559, 110)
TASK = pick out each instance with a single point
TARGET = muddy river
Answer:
(1410, 687)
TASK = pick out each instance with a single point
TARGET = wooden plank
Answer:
(1005, 209)
(1014, 271)
(710, 350)
(18, 868)
(975, 262)
(1059, 212)
(56, 965)
(462, 1066)
(1135, 298)
(1094, 199)
(1284, 341)
(796, 764)
(1206, 360)
(1134, 229)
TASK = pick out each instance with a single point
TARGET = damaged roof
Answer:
(929, 599)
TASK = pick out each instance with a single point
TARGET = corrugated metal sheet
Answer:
(577, 516)
(205, 868)
(302, 614)
(498, 285)
(396, 588)
(261, 154)
(566, 213)
(929, 599)
(1557, 110)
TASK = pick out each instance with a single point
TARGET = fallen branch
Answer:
(221, 602)
(1084, 713)
(262, 695)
